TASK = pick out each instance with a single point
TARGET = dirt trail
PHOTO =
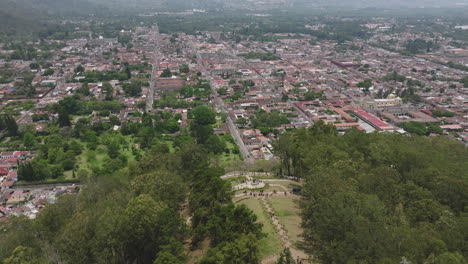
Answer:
(282, 232)
(270, 259)
(279, 228)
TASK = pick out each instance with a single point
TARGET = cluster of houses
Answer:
(25, 201)
(355, 84)
(29, 201)
(327, 81)
(8, 167)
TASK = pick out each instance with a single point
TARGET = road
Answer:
(233, 174)
(301, 112)
(248, 159)
(27, 113)
(154, 72)
(246, 63)
(221, 107)
(44, 186)
(237, 138)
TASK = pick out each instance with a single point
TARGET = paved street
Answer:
(221, 107)
(154, 72)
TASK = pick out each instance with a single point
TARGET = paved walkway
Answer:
(154, 71)
(263, 196)
(282, 232)
(234, 174)
(249, 184)
(280, 229)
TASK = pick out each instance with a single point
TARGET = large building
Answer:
(369, 103)
(169, 84)
(398, 115)
(372, 120)
(346, 64)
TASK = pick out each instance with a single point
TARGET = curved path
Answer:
(263, 197)
(280, 229)
(234, 174)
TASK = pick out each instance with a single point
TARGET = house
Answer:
(17, 196)
(6, 155)
(5, 196)
(262, 140)
(452, 127)
(3, 171)
(7, 184)
(12, 175)
(346, 126)
(346, 64)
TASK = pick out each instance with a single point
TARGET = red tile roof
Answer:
(373, 119)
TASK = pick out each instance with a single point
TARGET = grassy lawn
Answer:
(166, 139)
(68, 175)
(94, 158)
(15, 108)
(269, 177)
(271, 244)
(256, 190)
(170, 144)
(225, 158)
(84, 160)
(229, 145)
(75, 118)
(218, 123)
(289, 215)
(272, 185)
(269, 188)
(236, 180)
(48, 181)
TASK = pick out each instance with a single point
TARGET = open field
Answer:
(225, 158)
(279, 185)
(271, 244)
(95, 158)
(288, 213)
(236, 180)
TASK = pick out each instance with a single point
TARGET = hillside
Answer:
(379, 3)
(24, 16)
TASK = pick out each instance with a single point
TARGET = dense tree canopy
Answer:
(264, 56)
(379, 198)
(421, 129)
(9, 123)
(203, 115)
(133, 88)
(202, 90)
(269, 119)
(133, 215)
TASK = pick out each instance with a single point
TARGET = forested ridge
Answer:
(153, 211)
(27, 16)
(380, 198)
(367, 198)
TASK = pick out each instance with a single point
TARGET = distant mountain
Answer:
(31, 15)
(50, 7)
(353, 4)
(356, 4)
(272, 4)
